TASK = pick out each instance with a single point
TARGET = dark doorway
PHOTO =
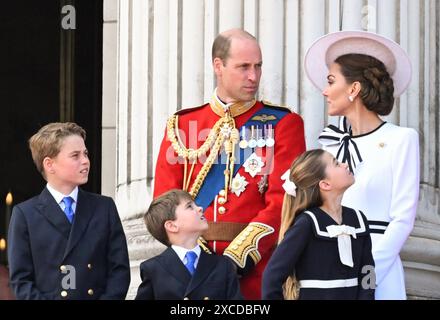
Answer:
(47, 74)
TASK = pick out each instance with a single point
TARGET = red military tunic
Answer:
(251, 205)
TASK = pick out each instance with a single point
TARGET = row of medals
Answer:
(259, 136)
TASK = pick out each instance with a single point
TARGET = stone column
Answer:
(157, 59)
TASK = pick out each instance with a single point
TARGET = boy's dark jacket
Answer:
(164, 277)
(43, 244)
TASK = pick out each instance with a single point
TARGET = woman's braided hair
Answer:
(377, 87)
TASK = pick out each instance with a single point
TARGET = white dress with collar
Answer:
(386, 190)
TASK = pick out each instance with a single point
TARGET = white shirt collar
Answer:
(224, 106)
(58, 196)
(181, 251)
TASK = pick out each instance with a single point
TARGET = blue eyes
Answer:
(76, 155)
(258, 66)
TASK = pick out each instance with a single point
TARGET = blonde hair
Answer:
(48, 140)
(306, 172)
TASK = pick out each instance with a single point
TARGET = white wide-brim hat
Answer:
(324, 51)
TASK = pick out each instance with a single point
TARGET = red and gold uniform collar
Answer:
(235, 108)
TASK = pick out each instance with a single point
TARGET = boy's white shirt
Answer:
(58, 196)
(181, 252)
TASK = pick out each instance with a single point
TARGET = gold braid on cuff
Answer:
(246, 243)
(204, 245)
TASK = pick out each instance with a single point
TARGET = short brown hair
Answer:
(222, 43)
(377, 87)
(48, 140)
(161, 210)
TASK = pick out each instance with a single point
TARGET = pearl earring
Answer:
(350, 98)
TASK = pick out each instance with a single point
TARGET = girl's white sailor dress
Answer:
(330, 261)
(386, 166)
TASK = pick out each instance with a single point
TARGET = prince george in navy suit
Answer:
(66, 243)
(183, 270)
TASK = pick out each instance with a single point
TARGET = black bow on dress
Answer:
(348, 151)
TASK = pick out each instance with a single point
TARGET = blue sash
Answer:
(215, 179)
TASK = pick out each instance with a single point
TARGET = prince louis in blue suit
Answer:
(183, 270)
(66, 243)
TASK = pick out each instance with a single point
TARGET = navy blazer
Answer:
(49, 258)
(308, 251)
(165, 277)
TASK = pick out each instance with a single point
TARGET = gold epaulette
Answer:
(270, 104)
(187, 110)
(246, 243)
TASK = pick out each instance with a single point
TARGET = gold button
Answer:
(221, 200)
(89, 266)
(90, 292)
(186, 298)
(206, 298)
(64, 294)
(381, 145)
(222, 210)
(234, 247)
(247, 233)
(243, 238)
(222, 193)
(63, 268)
(239, 242)
(251, 229)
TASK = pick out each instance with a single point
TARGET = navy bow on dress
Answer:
(348, 151)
